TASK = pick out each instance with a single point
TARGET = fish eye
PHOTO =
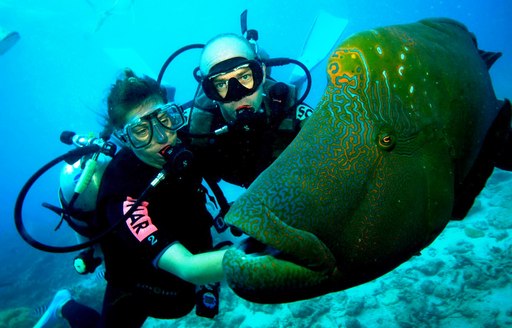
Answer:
(386, 141)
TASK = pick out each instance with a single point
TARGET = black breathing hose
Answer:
(281, 61)
(173, 56)
(18, 208)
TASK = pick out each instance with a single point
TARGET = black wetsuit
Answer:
(174, 212)
(239, 156)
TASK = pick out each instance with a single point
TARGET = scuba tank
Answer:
(69, 178)
(81, 209)
(79, 181)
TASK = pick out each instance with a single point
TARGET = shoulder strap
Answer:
(221, 199)
(218, 222)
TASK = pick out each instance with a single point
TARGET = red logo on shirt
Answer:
(139, 222)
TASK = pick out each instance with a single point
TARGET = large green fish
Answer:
(406, 134)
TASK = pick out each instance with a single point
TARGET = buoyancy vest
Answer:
(205, 115)
(237, 157)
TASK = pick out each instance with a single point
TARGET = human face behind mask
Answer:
(224, 57)
(149, 128)
(229, 110)
(238, 88)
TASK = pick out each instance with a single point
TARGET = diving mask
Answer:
(139, 132)
(233, 79)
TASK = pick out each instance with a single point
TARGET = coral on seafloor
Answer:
(16, 318)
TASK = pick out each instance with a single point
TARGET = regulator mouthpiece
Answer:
(178, 159)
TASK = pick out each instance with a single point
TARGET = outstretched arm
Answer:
(198, 269)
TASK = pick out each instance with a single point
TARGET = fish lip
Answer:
(254, 247)
(262, 244)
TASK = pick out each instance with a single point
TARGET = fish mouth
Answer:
(271, 236)
(250, 244)
(313, 255)
(256, 248)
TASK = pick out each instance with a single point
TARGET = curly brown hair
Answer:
(127, 93)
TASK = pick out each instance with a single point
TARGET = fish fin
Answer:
(495, 152)
(503, 154)
(489, 57)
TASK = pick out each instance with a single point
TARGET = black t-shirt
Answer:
(174, 211)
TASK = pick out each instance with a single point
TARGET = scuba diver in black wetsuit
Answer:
(155, 257)
(241, 120)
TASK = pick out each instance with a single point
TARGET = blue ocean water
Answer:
(57, 76)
